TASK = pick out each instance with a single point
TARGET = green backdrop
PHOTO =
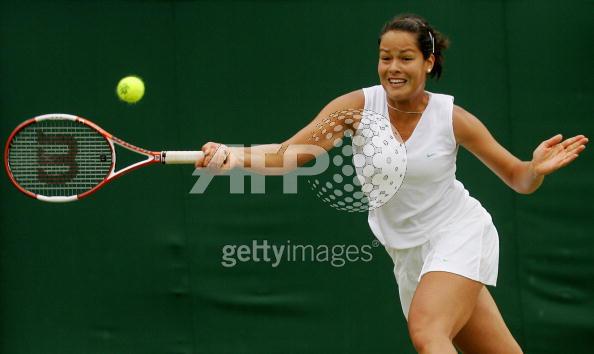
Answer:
(137, 268)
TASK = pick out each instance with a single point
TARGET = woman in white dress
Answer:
(442, 241)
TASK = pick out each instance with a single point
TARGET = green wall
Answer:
(137, 268)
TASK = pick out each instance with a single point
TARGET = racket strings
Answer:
(59, 158)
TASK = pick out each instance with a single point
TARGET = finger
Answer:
(568, 159)
(553, 141)
(577, 145)
(211, 150)
(206, 150)
(581, 142)
(576, 150)
(208, 158)
(218, 157)
(199, 161)
(215, 161)
(570, 141)
(225, 153)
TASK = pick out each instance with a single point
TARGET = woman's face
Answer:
(401, 67)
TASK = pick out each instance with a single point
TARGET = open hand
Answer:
(554, 153)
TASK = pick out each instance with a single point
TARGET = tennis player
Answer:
(443, 242)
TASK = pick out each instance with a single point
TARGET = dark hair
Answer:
(416, 24)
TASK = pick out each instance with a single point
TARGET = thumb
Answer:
(199, 162)
(553, 141)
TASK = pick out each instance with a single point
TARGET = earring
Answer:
(428, 71)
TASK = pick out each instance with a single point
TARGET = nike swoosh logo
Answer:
(430, 155)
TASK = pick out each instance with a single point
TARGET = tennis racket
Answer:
(63, 158)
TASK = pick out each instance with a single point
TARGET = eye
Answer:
(408, 58)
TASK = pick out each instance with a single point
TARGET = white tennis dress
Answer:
(432, 223)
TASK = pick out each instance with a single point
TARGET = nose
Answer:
(394, 68)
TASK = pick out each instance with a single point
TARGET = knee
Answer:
(427, 338)
(420, 339)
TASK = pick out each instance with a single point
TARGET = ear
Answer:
(429, 62)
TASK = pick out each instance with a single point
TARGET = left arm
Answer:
(522, 176)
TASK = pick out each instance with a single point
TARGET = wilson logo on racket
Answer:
(62, 158)
(51, 162)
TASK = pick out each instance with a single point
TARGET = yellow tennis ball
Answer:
(130, 89)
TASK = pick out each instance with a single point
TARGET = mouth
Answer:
(395, 82)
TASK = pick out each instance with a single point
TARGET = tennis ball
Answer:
(130, 89)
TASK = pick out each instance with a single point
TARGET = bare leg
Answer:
(442, 304)
(486, 332)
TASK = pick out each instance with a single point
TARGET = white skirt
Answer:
(468, 247)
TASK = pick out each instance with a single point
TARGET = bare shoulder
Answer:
(349, 101)
(466, 125)
(460, 112)
(352, 100)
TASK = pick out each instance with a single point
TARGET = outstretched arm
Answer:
(272, 158)
(522, 176)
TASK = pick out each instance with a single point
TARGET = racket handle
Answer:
(181, 157)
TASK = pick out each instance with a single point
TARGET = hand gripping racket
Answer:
(62, 158)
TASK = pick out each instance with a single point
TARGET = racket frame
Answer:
(152, 157)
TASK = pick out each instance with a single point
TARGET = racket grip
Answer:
(181, 157)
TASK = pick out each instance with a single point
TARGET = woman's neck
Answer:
(411, 106)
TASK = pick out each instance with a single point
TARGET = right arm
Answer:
(260, 159)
